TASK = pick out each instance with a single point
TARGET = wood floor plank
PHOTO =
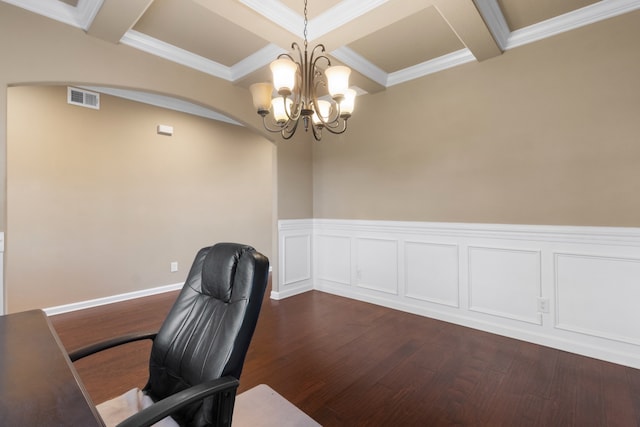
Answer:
(348, 363)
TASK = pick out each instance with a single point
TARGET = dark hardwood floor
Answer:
(348, 363)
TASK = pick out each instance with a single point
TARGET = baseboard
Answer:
(81, 305)
(570, 288)
(291, 291)
(571, 345)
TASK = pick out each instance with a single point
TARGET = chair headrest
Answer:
(219, 269)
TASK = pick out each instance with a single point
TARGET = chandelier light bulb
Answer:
(261, 94)
(337, 80)
(284, 75)
(347, 104)
(324, 108)
(281, 109)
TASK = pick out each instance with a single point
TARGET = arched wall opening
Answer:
(100, 204)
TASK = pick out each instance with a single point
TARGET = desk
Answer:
(38, 384)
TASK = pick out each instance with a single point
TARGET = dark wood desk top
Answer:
(38, 384)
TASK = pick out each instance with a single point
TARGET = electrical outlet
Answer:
(543, 305)
(174, 266)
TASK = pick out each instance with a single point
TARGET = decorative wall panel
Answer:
(296, 252)
(572, 288)
(295, 239)
(333, 262)
(505, 282)
(431, 272)
(598, 296)
(377, 265)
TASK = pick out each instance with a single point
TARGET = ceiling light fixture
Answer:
(297, 85)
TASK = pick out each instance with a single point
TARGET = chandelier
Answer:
(298, 84)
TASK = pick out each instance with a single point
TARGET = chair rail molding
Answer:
(570, 288)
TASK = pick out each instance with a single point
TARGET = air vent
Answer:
(83, 98)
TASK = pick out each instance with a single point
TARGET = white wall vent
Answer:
(83, 98)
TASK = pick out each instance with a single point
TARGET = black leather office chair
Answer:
(198, 353)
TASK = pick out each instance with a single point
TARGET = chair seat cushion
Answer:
(120, 408)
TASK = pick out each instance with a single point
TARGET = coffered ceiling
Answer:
(385, 42)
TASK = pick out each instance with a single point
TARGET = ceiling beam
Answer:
(116, 17)
(465, 20)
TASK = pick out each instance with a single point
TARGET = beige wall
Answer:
(37, 50)
(99, 204)
(548, 133)
(545, 134)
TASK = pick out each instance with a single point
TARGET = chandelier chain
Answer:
(305, 25)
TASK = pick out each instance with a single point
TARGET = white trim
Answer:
(79, 17)
(552, 233)
(87, 11)
(81, 305)
(440, 63)
(361, 64)
(156, 47)
(339, 15)
(292, 291)
(164, 102)
(292, 20)
(569, 21)
(494, 18)
(278, 13)
(255, 61)
(538, 276)
(627, 358)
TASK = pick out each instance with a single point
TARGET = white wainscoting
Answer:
(295, 238)
(572, 288)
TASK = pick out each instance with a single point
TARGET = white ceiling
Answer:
(385, 42)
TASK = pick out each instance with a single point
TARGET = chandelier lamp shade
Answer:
(293, 97)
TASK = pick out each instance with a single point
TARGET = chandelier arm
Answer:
(335, 110)
(296, 111)
(296, 47)
(269, 128)
(288, 132)
(334, 114)
(317, 132)
(337, 132)
(321, 55)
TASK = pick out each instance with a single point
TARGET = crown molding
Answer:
(361, 64)
(587, 15)
(493, 17)
(255, 61)
(87, 11)
(277, 12)
(440, 63)
(80, 17)
(290, 20)
(172, 53)
(163, 102)
(339, 15)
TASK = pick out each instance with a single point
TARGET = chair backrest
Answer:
(207, 332)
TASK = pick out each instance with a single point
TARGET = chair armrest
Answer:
(169, 405)
(114, 342)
